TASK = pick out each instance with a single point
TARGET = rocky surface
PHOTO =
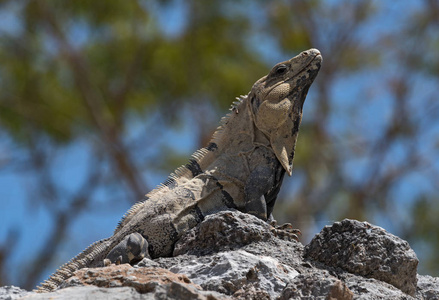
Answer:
(315, 286)
(366, 250)
(12, 292)
(428, 287)
(232, 255)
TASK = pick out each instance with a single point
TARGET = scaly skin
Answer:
(242, 168)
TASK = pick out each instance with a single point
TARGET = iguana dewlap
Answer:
(242, 168)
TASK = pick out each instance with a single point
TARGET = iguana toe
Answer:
(285, 231)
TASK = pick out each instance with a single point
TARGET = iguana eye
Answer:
(280, 69)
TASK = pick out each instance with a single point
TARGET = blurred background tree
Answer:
(101, 100)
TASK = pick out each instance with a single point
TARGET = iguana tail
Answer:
(82, 260)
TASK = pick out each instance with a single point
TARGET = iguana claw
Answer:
(285, 231)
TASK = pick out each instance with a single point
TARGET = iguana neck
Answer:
(236, 134)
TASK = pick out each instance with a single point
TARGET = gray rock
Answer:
(91, 292)
(225, 230)
(147, 262)
(366, 250)
(11, 292)
(316, 286)
(172, 291)
(231, 271)
(370, 288)
(232, 255)
(428, 287)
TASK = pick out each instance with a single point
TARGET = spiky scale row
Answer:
(65, 271)
(236, 103)
(223, 122)
(199, 154)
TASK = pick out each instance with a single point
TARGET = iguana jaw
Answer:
(277, 100)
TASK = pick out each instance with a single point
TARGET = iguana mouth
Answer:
(302, 93)
(305, 68)
(318, 54)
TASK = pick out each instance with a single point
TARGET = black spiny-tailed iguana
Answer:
(242, 168)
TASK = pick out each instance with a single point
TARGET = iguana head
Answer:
(277, 99)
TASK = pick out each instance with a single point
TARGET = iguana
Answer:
(242, 168)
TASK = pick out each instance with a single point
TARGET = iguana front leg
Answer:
(132, 248)
(257, 185)
(260, 181)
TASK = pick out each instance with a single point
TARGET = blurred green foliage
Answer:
(93, 72)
